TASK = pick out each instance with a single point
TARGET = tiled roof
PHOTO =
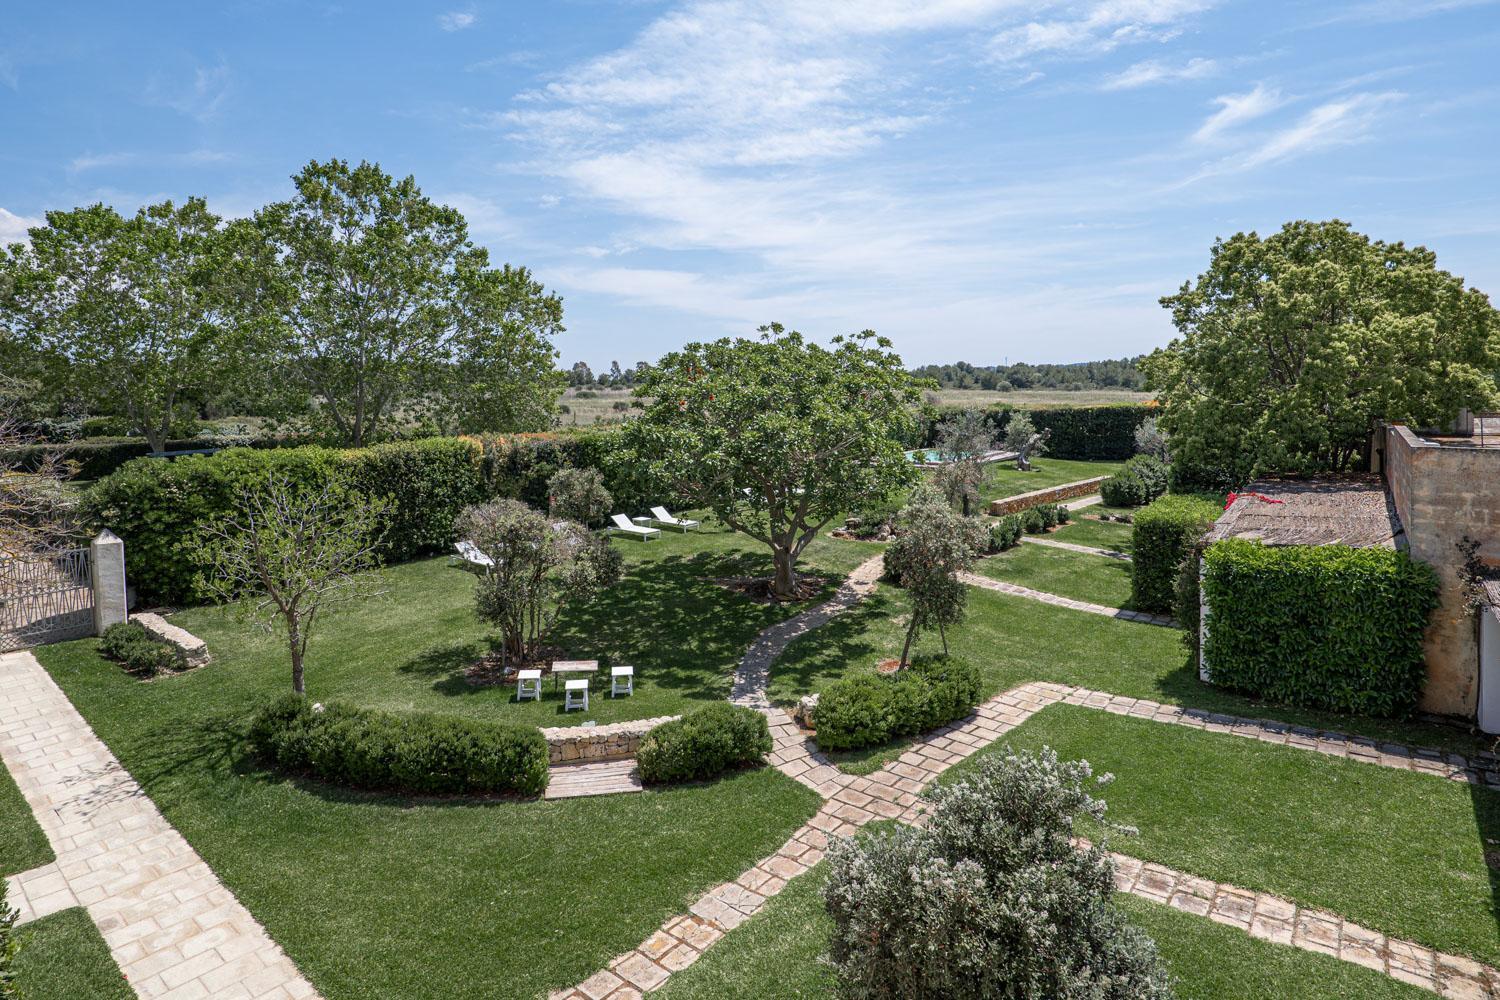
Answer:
(1350, 510)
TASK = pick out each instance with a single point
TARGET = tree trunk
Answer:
(294, 639)
(784, 583)
(906, 649)
(944, 633)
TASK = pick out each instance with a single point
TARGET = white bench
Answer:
(621, 681)
(575, 695)
(529, 685)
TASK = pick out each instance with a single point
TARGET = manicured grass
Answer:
(1082, 576)
(23, 845)
(1003, 479)
(1110, 535)
(1014, 640)
(1398, 851)
(776, 955)
(63, 957)
(682, 631)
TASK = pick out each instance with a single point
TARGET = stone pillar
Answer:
(107, 559)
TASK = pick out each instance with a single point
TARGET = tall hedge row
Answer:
(159, 508)
(1078, 432)
(96, 458)
(1325, 626)
(1165, 531)
(519, 465)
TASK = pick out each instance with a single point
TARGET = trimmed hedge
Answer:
(415, 753)
(1324, 626)
(159, 508)
(868, 710)
(1005, 533)
(518, 466)
(704, 743)
(1142, 480)
(1165, 531)
(1078, 432)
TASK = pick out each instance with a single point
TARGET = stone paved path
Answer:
(1082, 502)
(754, 670)
(893, 792)
(1072, 547)
(605, 777)
(172, 928)
(1016, 590)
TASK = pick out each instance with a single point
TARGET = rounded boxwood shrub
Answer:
(1321, 626)
(1005, 533)
(867, 709)
(418, 752)
(704, 743)
(1165, 532)
(129, 644)
(1142, 480)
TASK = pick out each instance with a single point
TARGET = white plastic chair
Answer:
(661, 516)
(529, 685)
(621, 681)
(575, 695)
(624, 527)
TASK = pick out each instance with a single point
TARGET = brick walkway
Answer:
(172, 928)
(1072, 547)
(1015, 590)
(893, 792)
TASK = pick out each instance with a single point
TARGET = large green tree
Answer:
(389, 312)
(777, 435)
(132, 316)
(1291, 346)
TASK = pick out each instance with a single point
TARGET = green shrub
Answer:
(417, 753)
(1032, 522)
(160, 508)
(119, 637)
(1078, 432)
(868, 709)
(96, 458)
(129, 644)
(1141, 481)
(1005, 533)
(1320, 626)
(1165, 530)
(704, 743)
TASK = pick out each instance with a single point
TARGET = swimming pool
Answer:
(928, 456)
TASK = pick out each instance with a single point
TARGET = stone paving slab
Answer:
(1053, 543)
(39, 893)
(611, 777)
(171, 926)
(1016, 590)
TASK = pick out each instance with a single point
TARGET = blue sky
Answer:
(978, 179)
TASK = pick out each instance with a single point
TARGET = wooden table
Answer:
(585, 667)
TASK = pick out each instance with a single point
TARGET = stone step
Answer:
(610, 777)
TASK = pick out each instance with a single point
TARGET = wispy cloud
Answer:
(1095, 28)
(10, 74)
(195, 158)
(203, 99)
(1334, 123)
(13, 227)
(1152, 71)
(458, 20)
(1389, 11)
(1236, 109)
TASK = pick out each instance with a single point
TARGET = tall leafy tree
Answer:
(1290, 346)
(133, 316)
(385, 305)
(777, 435)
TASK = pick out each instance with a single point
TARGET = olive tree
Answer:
(963, 440)
(290, 553)
(541, 566)
(1289, 347)
(933, 544)
(991, 898)
(777, 435)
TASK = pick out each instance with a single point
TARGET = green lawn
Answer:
(23, 845)
(1014, 640)
(1082, 576)
(1003, 479)
(378, 896)
(63, 957)
(1394, 850)
(1110, 535)
(776, 955)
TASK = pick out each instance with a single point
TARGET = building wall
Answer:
(1443, 494)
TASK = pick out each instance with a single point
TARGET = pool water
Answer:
(930, 455)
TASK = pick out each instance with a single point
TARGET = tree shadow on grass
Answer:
(668, 618)
(850, 638)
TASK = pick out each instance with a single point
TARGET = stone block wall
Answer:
(618, 740)
(1442, 494)
(1052, 494)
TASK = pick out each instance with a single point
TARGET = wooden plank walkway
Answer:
(607, 777)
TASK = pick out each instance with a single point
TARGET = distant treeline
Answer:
(1121, 374)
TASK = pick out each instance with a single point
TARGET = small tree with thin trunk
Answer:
(578, 495)
(963, 440)
(934, 543)
(1022, 437)
(293, 552)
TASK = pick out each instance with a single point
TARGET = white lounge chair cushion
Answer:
(622, 523)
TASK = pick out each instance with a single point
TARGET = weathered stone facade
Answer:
(1053, 494)
(1444, 493)
(618, 740)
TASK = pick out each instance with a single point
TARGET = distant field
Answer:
(1037, 397)
(583, 412)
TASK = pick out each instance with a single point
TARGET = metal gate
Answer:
(45, 597)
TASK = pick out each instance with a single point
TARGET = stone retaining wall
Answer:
(1053, 494)
(192, 650)
(571, 744)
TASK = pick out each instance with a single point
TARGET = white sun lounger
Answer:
(660, 516)
(471, 554)
(624, 527)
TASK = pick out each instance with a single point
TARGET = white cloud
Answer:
(203, 100)
(13, 227)
(195, 158)
(458, 20)
(1150, 71)
(1335, 123)
(1095, 28)
(1236, 109)
(10, 74)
